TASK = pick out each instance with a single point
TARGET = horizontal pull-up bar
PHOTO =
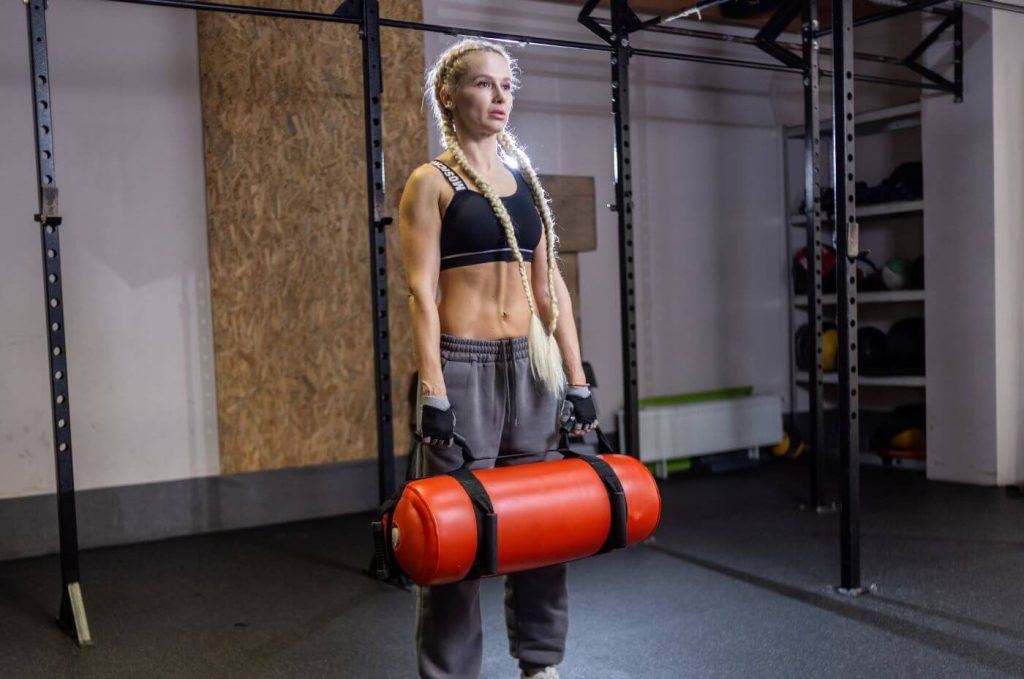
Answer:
(747, 40)
(511, 37)
(391, 23)
(919, 6)
(993, 4)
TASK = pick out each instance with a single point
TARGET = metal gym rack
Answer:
(616, 42)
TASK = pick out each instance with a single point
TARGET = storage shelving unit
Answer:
(880, 392)
(880, 210)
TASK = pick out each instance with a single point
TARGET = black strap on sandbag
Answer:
(486, 561)
(616, 495)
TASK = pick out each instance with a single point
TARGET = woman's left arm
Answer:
(566, 332)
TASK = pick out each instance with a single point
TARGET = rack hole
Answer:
(62, 447)
(54, 303)
(60, 399)
(56, 351)
(62, 423)
(58, 375)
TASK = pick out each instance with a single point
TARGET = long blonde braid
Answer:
(545, 356)
(511, 147)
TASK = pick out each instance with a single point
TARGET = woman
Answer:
(497, 351)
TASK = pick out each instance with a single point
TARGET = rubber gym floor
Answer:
(736, 584)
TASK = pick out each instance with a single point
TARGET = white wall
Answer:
(974, 164)
(707, 190)
(1008, 131)
(959, 261)
(129, 166)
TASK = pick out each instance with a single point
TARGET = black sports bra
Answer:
(472, 234)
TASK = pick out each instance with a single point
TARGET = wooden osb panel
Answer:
(573, 204)
(282, 108)
(569, 264)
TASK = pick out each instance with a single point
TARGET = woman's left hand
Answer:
(579, 414)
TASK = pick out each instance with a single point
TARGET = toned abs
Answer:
(483, 301)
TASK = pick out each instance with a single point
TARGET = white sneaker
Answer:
(546, 673)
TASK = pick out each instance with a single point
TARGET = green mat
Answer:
(696, 397)
(671, 466)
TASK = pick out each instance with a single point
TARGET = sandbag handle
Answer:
(617, 531)
(458, 440)
(604, 446)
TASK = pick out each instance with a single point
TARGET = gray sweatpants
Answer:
(501, 411)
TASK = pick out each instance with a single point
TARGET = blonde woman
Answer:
(495, 342)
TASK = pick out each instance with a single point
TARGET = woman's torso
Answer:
(484, 300)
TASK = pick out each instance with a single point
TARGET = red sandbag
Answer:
(547, 513)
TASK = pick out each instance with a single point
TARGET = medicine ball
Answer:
(869, 278)
(896, 274)
(905, 347)
(909, 179)
(791, 446)
(917, 274)
(829, 350)
(871, 351)
(903, 429)
(802, 346)
(908, 439)
(802, 271)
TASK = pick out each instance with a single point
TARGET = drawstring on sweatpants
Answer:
(508, 356)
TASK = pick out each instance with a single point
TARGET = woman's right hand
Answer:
(437, 421)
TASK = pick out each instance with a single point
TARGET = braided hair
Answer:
(445, 76)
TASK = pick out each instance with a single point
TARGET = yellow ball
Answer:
(829, 350)
(909, 439)
(782, 447)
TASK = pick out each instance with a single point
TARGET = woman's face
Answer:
(483, 100)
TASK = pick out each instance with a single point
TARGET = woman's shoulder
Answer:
(425, 177)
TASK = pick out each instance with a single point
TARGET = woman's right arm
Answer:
(419, 225)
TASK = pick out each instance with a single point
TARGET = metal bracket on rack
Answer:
(911, 61)
(50, 214)
(767, 37)
(630, 23)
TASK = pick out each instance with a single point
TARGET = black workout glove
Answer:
(579, 414)
(437, 421)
